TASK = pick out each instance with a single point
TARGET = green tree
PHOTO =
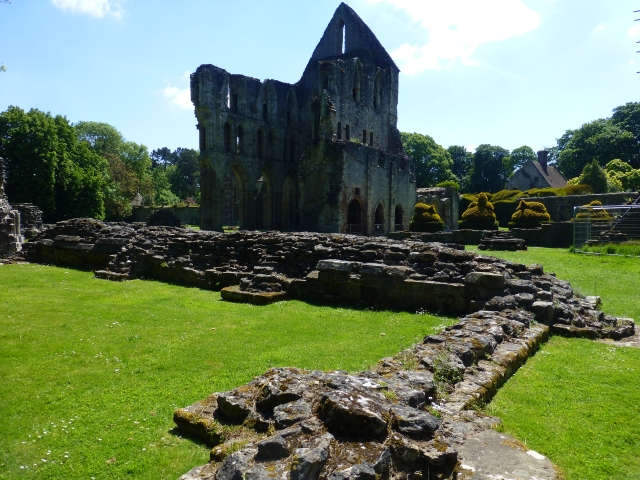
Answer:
(600, 139)
(163, 192)
(462, 162)
(617, 166)
(488, 172)
(122, 186)
(129, 168)
(627, 117)
(520, 156)
(433, 163)
(49, 167)
(595, 176)
(102, 137)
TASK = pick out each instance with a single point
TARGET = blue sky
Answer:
(504, 72)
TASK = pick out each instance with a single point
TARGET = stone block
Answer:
(485, 280)
(340, 266)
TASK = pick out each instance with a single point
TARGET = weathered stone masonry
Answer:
(377, 424)
(323, 154)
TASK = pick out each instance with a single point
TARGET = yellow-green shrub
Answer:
(578, 189)
(425, 219)
(480, 215)
(599, 215)
(529, 214)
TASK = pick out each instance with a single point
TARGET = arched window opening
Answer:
(260, 144)
(354, 218)
(230, 201)
(348, 132)
(289, 205)
(399, 224)
(379, 219)
(228, 97)
(240, 140)
(287, 149)
(341, 38)
(371, 139)
(203, 137)
(325, 81)
(270, 145)
(292, 109)
(339, 136)
(227, 137)
(234, 103)
(357, 83)
(377, 92)
(403, 164)
(293, 152)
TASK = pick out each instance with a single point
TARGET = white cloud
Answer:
(181, 98)
(94, 8)
(456, 28)
(177, 97)
(633, 31)
(599, 28)
(471, 148)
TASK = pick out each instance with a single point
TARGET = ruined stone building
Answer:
(323, 154)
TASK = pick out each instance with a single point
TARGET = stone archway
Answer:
(354, 218)
(231, 197)
(378, 219)
(264, 202)
(399, 218)
(289, 211)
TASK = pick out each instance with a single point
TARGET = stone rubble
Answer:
(413, 415)
(10, 237)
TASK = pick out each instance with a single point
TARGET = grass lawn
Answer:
(91, 371)
(578, 401)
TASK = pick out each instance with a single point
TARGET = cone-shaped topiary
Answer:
(595, 215)
(425, 219)
(480, 215)
(529, 215)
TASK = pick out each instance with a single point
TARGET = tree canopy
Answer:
(489, 172)
(48, 166)
(433, 163)
(594, 176)
(462, 161)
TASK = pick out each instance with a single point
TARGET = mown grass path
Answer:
(91, 371)
(578, 401)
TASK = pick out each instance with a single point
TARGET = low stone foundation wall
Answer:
(550, 235)
(408, 275)
(186, 215)
(410, 416)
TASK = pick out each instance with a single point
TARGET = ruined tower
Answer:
(323, 154)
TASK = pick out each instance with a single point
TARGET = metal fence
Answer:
(609, 224)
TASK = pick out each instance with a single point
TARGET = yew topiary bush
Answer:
(596, 215)
(529, 215)
(425, 219)
(480, 215)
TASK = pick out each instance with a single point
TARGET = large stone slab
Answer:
(490, 455)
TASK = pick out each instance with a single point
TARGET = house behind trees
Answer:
(537, 175)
